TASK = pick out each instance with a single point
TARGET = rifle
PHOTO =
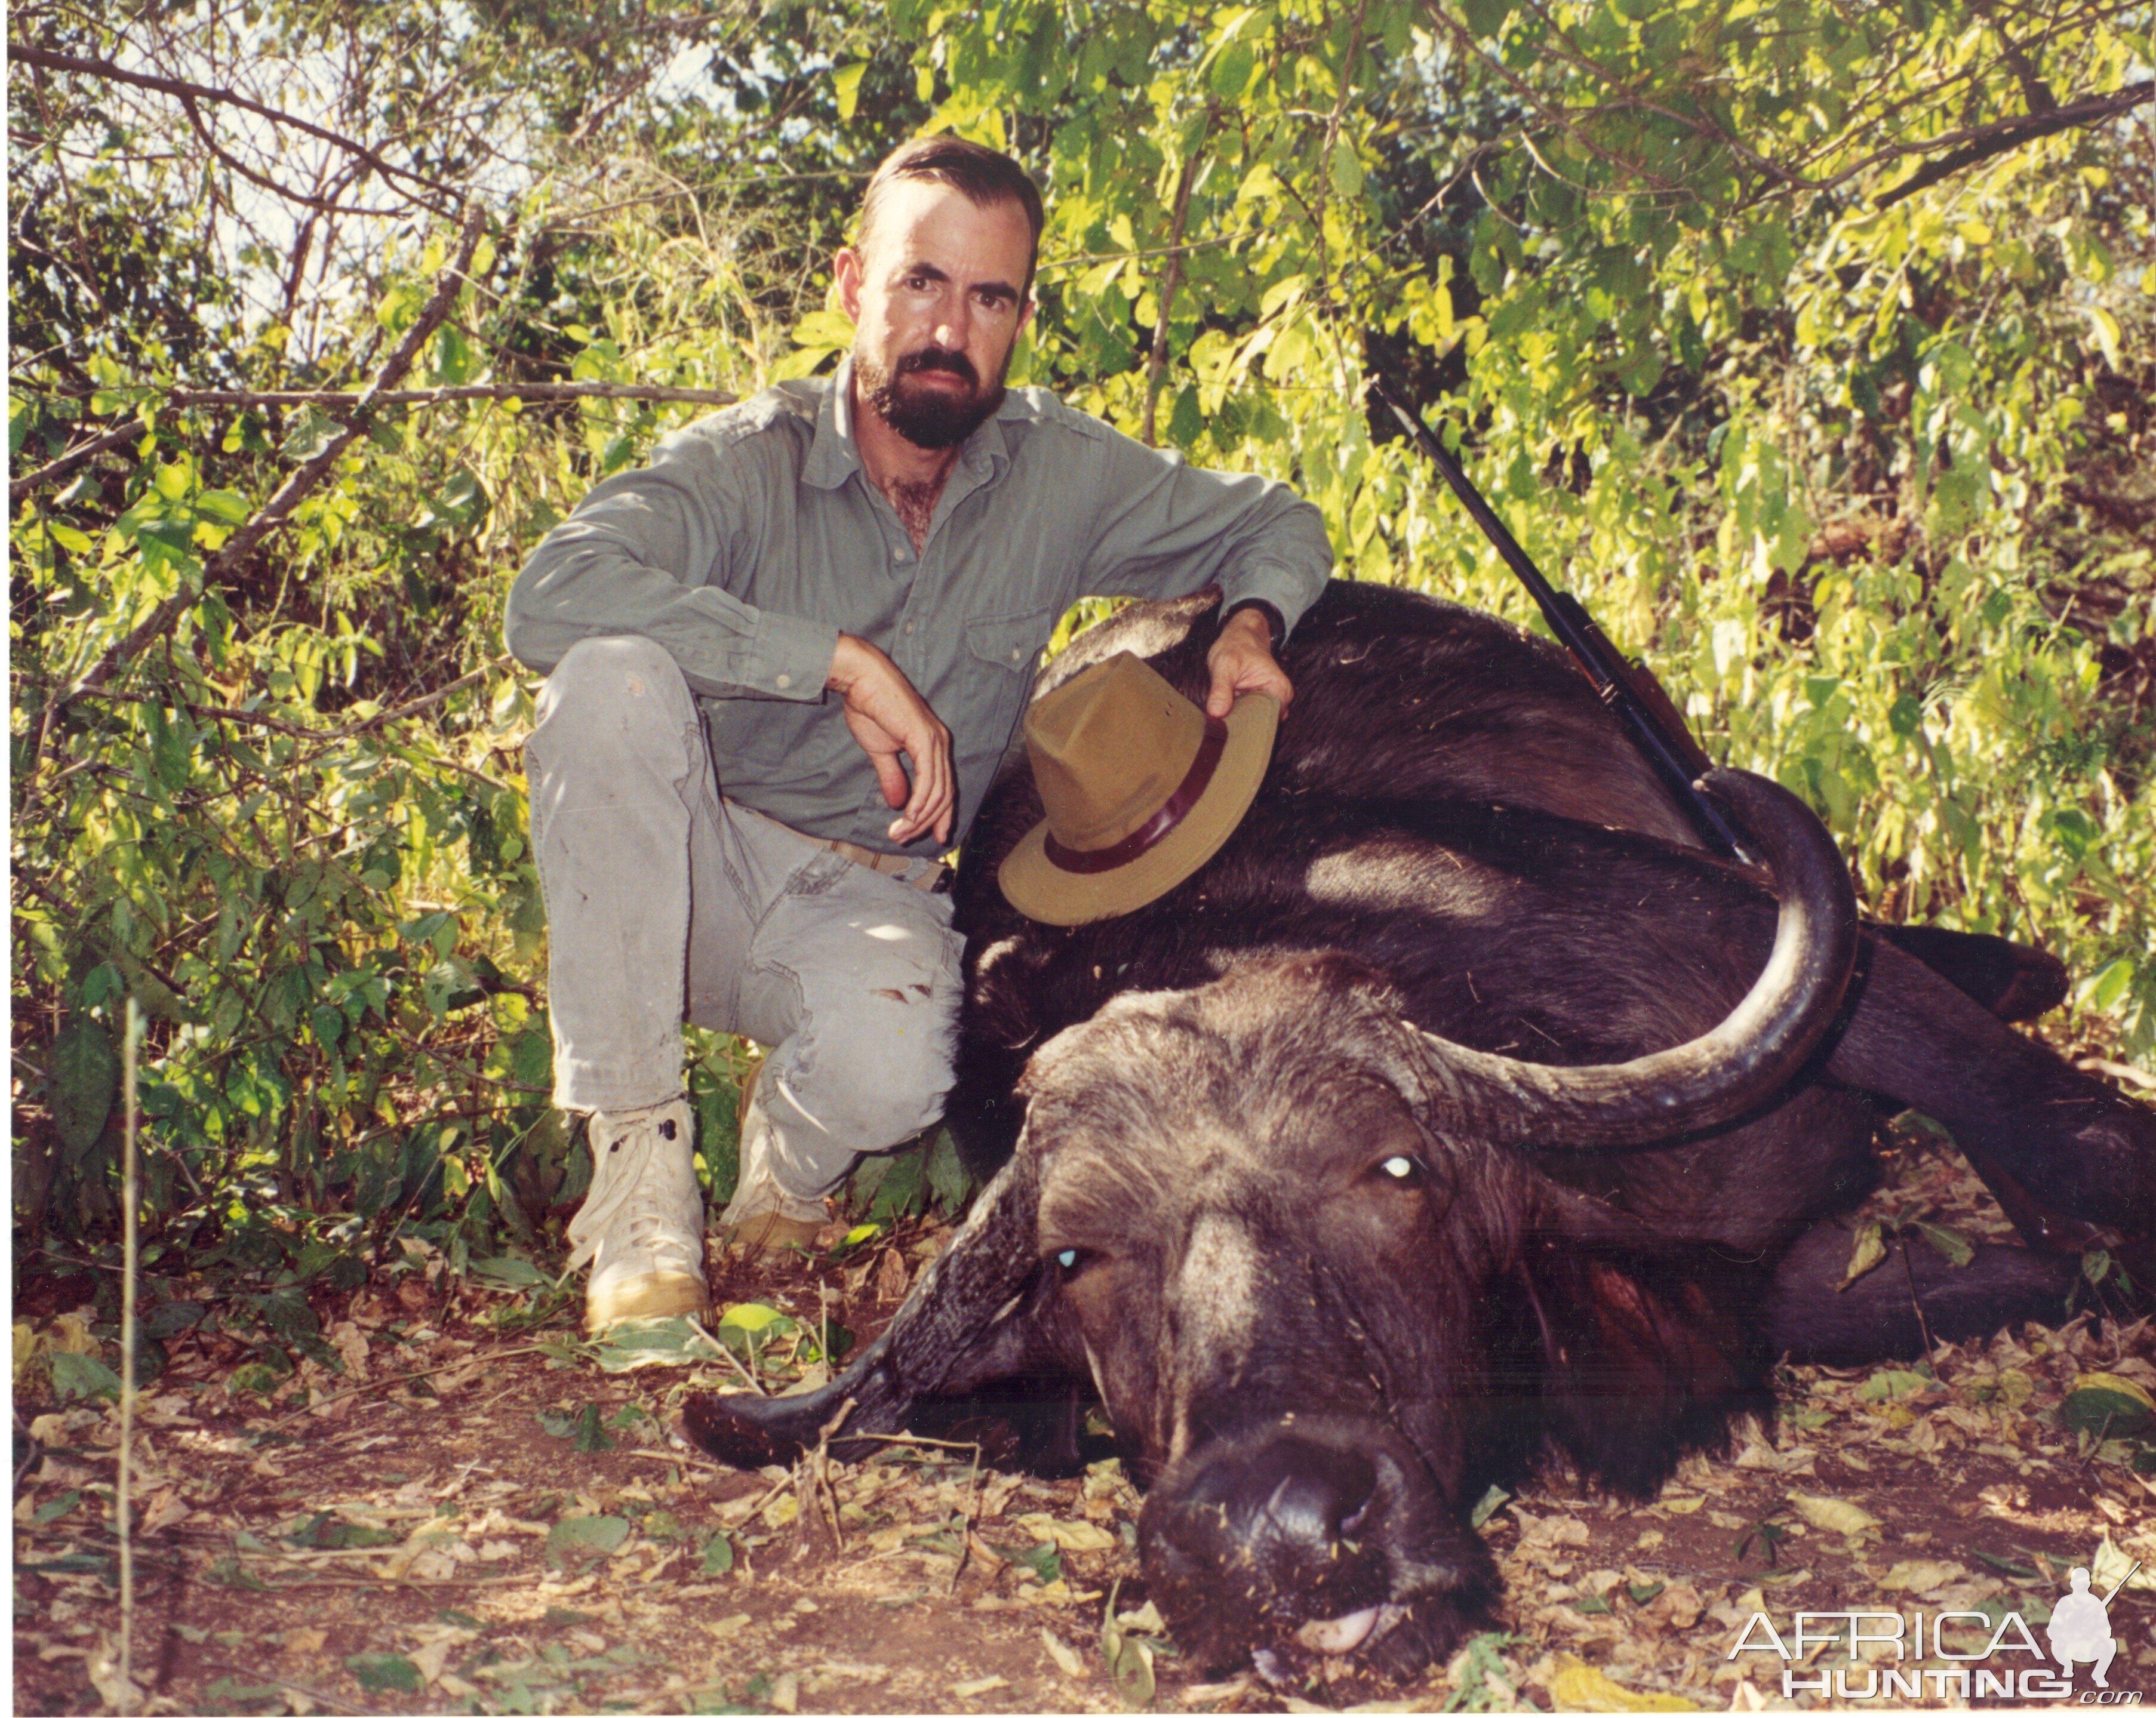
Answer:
(1631, 693)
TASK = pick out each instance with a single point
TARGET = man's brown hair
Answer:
(984, 177)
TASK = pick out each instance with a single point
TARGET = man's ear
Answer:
(847, 271)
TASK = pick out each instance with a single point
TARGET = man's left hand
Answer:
(1241, 660)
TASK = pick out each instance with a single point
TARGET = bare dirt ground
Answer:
(481, 1519)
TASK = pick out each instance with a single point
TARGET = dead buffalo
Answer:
(1459, 1109)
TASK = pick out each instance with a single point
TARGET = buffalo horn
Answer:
(1714, 1078)
(985, 1266)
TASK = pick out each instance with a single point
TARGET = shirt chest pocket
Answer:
(1010, 643)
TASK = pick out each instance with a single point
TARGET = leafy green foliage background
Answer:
(1836, 413)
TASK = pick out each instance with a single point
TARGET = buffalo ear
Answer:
(953, 1330)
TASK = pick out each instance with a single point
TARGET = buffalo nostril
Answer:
(1289, 1494)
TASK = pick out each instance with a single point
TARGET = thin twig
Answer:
(2123, 1072)
(972, 1519)
(299, 730)
(22, 53)
(697, 1326)
(130, 1195)
(1923, 1324)
(406, 1378)
(538, 391)
(74, 456)
(299, 1688)
(300, 484)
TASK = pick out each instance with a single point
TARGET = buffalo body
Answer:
(1459, 1109)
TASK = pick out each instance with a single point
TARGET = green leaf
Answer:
(83, 1375)
(2111, 983)
(753, 1318)
(1130, 1664)
(54, 1508)
(947, 1176)
(634, 1343)
(508, 1271)
(1231, 72)
(591, 1437)
(1867, 1252)
(456, 361)
(85, 1076)
(1486, 17)
(1492, 1500)
(312, 433)
(718, 1554)
(585, 1538)
(1948, 1243)
(2103, 1404)
(385, 1672)
(256, 1378)
(1892, 1384)
(1346, 169)
(161, 1323)
(226, 506)
(846, 85)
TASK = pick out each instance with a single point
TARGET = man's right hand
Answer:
(886, 717)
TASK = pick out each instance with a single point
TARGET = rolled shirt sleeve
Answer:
(1166, 529)
(649, 552)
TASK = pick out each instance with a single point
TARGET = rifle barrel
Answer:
(1675, 757)
(2121, 1586)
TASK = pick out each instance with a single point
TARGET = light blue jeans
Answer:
(663, 901)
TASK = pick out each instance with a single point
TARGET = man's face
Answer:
(937, 294)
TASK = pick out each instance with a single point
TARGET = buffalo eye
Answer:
(1070, 1258)
(1402, 1169)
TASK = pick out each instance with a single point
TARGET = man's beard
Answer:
(929, 416)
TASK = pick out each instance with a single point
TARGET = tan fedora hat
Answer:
(1140, 788)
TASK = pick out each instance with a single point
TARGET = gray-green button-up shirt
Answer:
(754, 538)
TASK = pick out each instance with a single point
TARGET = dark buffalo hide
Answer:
(1460, 1110)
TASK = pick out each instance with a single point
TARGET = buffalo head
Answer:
(1316, 1264)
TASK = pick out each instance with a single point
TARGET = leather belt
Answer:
(895, 865)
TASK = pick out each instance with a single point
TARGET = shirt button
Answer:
(784, 681)
(1017, 651)
(909, 630)
(898, 554)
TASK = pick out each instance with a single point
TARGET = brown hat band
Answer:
(1156, 826)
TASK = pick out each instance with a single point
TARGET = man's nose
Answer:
(953, 324)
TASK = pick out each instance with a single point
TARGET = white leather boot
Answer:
(641, 1226)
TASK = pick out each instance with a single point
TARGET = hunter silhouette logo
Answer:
(2080, 1629)
(1946, 1653)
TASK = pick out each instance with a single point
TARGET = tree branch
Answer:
(1170, 277)
(74, 456)
(24, 53)
(1985, 142)
(540, 392)
(338, 401)
(302, 482)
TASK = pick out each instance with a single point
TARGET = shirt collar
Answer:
(835, 455)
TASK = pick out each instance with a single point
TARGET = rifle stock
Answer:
(1633, 695)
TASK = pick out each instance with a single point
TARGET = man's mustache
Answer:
(936, 357)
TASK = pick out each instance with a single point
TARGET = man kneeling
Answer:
(812, 610)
